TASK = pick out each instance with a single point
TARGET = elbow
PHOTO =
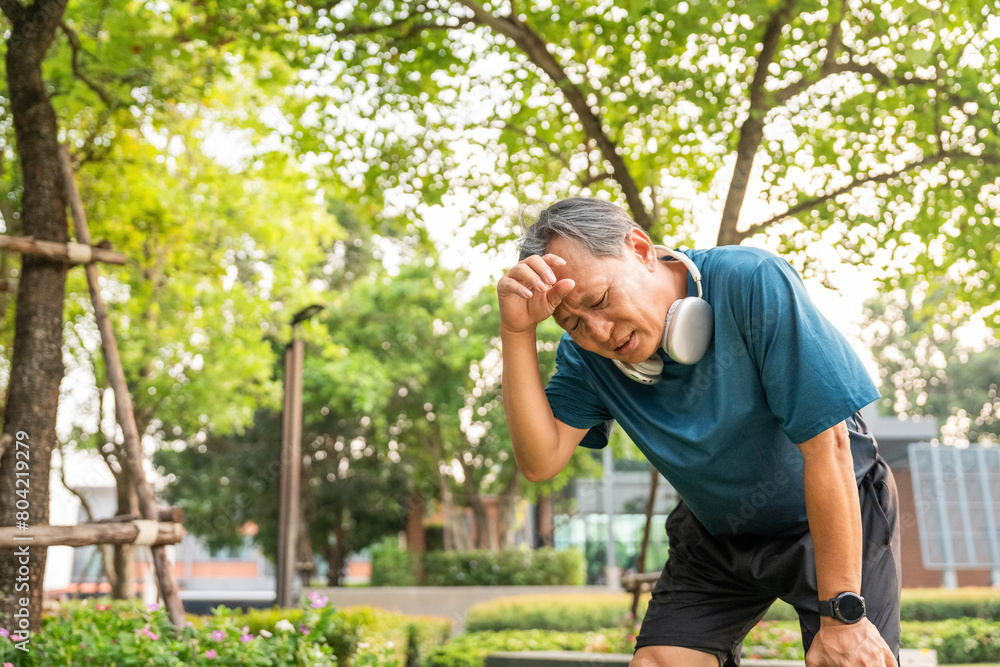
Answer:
(535, 473)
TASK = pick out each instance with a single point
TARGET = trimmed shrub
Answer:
(471, 649)
(510, 567)
(938, 604)
(391, 566)
(566, 613)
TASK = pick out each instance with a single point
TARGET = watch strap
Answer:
(826, 608)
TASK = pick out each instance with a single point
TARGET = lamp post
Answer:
(291, 461)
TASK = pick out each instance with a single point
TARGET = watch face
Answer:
(851, 608)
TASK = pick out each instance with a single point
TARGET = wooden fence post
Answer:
(123, 404)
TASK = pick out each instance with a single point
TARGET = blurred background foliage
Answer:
(374, 157)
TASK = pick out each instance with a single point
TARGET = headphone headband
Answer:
(685, 260)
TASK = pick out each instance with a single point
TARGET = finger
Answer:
(522, 281)
(559, 291)
(554, 260)
(530, 273)
(542, 269)
(508, 286)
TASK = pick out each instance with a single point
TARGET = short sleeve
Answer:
(811, 376)
(573, 399)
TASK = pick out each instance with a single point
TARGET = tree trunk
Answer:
(456, 537)
(335, 555)
(481, 530)
(123, 583)
(544, 522)
(37, 365)
(505, 511)
(416, 536)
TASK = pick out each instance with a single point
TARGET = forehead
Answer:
(580, 264)
(591, 274)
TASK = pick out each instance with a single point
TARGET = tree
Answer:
(36, 366)
(935, 371)
(872, 125)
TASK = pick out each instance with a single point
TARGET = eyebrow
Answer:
(593, 302)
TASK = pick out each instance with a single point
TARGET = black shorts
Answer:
(714, 590)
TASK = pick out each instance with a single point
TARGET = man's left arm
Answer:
(834, 512)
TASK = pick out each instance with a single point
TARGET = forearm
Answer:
(834, 512)
(533, 429)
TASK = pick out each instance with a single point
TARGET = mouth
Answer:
(627, 346)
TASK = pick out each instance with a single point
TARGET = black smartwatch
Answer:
(847, 608)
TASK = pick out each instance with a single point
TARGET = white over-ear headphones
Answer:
(687, 330)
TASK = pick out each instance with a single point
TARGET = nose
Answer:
(599, 326)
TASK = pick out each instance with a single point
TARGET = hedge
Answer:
(576, 613)
(583, 612)
(471, 649)
(938, 604)
(509, 567)
(962, 641)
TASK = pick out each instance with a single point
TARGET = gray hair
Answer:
(598, 225)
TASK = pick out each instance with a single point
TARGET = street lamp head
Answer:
(306, 313)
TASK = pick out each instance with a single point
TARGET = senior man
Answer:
(739, 391)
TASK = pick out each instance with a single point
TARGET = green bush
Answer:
(126, 633)
(471, 649)
(510, 567)
(566, 613)
(391, 566)
(957, 641)
(939, 604)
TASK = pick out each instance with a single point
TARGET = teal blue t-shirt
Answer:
(723, 431)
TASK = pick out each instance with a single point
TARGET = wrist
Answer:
(847, 608)
(507, 333)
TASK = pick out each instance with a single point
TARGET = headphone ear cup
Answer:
(688, 330)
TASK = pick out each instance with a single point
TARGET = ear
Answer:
(639, 244)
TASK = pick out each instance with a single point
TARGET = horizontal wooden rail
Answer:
(85, 534)
(73, 253)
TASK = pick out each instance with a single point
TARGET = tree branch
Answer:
(76, 48)
(509, 127)
(857, 182)
(76, 492)
(532, 44)
(752, 130)
(35, 26)
(13, 9)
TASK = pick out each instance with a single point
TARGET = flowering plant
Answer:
(128, 633)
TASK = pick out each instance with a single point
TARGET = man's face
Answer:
(613, 310)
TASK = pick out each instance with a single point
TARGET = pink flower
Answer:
(15, 638)
(146, 631)
(219, 635)
(102, 607)
(246, 638)
(154, 607)
(303, 629)
(211, 654)
(4, 632)
(8, 664)
(317, 600)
